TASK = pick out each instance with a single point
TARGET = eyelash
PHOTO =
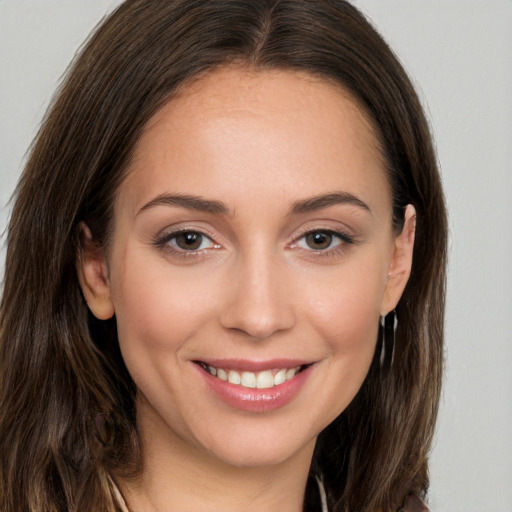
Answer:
(344, 239)
(164, 243)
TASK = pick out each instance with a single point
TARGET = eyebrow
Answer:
(324, 201)
(198, 203)
(190, 202)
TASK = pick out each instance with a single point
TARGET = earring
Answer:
(105, 427)
(388, 324)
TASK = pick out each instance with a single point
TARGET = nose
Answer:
(258, 299)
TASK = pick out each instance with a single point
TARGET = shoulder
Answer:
(413, 504)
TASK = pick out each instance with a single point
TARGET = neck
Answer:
(178, 476)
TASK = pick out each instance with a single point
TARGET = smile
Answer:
(256, 380)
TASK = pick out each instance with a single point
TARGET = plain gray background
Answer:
(459, 53)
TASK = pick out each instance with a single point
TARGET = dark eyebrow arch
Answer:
(190, 202)
(324, 201)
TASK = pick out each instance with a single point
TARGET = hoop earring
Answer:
(105, 428)
(388, 324)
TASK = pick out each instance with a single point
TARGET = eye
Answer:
(190, 241)
(322, 240)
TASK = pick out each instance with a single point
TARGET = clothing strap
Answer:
(118, 496)
(321, 491)
(412, 502)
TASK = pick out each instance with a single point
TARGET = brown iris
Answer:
(189, 240)
(319, 240)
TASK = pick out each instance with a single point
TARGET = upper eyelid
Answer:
(339, 249)
(162, 242)
(167, 233)
(203, 236)
(336, 233)
(343, 234)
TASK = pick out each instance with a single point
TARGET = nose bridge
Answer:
(259, 303)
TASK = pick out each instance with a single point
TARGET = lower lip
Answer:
(252, 399)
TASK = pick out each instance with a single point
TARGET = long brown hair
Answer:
(59, 366)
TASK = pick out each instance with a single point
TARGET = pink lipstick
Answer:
(255, 386)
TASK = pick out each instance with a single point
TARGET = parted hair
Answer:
(59, 366)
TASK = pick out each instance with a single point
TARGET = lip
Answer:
(252, 399)
(243, 365)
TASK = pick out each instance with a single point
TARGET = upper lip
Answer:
(248, 365)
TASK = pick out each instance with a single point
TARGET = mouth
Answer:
(263, 379)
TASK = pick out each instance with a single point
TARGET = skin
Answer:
(261, 143)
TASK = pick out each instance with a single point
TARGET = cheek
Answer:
(342, 315)
(346, 309)
(157, 310)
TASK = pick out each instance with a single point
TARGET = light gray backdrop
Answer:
(459, 53)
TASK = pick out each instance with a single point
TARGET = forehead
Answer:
(233, 91)
(250, 127)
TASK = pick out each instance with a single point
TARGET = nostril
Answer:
(258, 324)
(258, 303)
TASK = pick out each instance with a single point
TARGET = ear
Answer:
(400, 264)
(93, 275)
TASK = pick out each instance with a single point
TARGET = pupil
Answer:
(319, 240)
(189, 241)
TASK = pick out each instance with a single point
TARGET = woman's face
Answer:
(253, 243)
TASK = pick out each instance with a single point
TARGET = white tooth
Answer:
(212, 370)
(280, 377)
(221, 374)
(291, 373)
(248, 380)
(264, 380)
(234, 377)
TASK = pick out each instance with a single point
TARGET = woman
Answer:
(225, 273)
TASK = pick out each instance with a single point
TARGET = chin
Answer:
(254, 455)
(257, 443)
